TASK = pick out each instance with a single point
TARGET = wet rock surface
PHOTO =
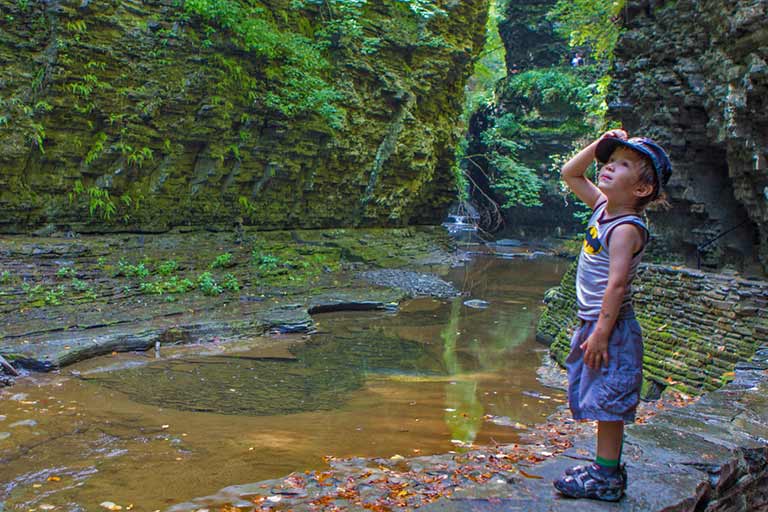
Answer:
(69, 300)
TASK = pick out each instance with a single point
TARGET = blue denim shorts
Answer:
(613, 392)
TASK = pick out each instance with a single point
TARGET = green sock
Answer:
(606, 463)
(607, 466)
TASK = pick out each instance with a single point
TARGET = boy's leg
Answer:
(610, 437)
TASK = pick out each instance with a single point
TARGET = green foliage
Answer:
(296, 63)
(519, 184)
(208, 285)
(5, 277)
(97, 149)
(590, 22)
(230, 283)
(264, 262)
(247, 208)
(100, 202)
(53, 296)
(489, 67)
(126, 269)
(223, 261)
(65, 272)
(558, 102)
(167, 268)
(38, 136)
(79, 285)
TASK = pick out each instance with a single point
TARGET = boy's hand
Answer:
(595, 352)
(619, 134)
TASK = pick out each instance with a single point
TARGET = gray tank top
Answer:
(592, 272)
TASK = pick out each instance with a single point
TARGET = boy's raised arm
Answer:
(573, 172)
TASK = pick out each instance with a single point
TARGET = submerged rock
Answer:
(477, 303)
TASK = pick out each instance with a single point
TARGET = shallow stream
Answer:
(146, 432)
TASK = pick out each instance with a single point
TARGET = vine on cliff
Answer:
(297, 62)
(297, 67)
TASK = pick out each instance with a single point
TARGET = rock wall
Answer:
(693, 74)
(125, 115)
(696, 326)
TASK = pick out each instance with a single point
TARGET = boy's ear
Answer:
(643, 189)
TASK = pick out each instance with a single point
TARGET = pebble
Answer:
(2, 417)
(24, 423)
(476, 303)
(18, 397)
(4, 435)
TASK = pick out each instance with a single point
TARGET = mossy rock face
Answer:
(124, 116)
(691, 343)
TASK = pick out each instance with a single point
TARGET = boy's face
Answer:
(619, 178)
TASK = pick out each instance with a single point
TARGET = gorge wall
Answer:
(697, 326)
(694, 75)
(125, 115)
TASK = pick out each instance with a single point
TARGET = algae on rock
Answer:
(165, 117)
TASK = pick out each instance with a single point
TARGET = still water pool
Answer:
(135, 430)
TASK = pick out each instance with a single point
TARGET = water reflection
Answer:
(374, 384)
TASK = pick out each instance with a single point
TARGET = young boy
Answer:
(605, 362)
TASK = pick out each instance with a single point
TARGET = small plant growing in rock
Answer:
(80, 286)
(5, 277)
(128, 270)
(208, 285)
(264, 262)
(230, 283)
(32, 292)
(53, 297)
(223, 261)
(65, 272)
(167, 268)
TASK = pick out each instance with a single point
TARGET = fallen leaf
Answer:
(528, 475)
(54, 478)
(110, 505)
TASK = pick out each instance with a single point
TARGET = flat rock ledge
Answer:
(709, 456)
(59, 347)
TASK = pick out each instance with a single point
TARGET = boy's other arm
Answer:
(573, 171)
(626, 240)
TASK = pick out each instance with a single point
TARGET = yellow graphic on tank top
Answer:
(592, 241)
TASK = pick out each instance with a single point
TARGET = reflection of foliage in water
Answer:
(320, 377)
(464, 411)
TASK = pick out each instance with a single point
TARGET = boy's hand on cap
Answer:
(618, 134)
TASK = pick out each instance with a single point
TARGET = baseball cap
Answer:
(645, 146)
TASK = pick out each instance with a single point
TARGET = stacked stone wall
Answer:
(696, 325)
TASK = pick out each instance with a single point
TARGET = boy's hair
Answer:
(648, 177)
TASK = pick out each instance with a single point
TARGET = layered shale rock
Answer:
(694, 75)
(697, 326)
(124, 115)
